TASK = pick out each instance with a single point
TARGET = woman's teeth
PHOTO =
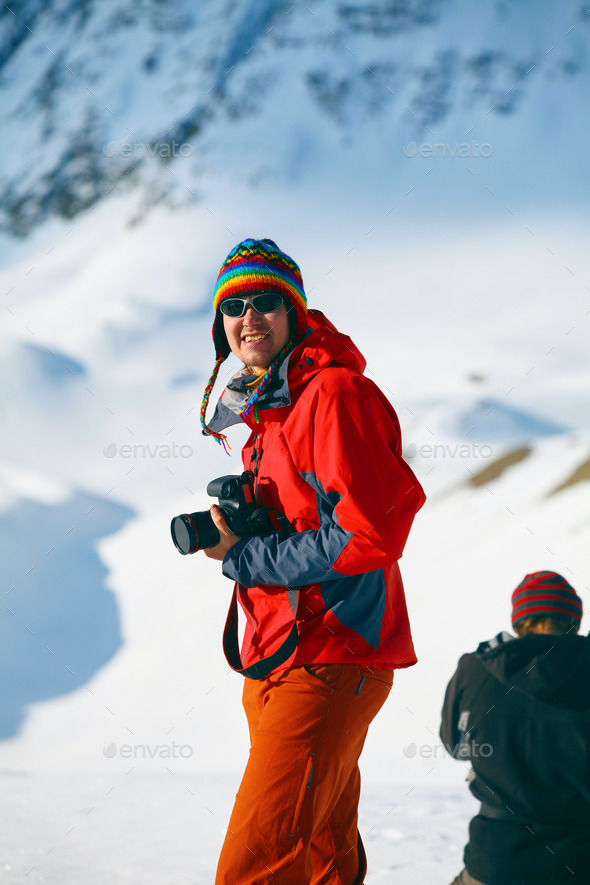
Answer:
(248, 338)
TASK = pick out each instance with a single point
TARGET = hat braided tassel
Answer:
(206, 431)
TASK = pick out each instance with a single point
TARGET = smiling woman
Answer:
(323, 599)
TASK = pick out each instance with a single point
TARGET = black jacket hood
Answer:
(546, 667)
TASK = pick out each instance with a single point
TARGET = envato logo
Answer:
(138, 151)
(440, 450)
(147, 751)
(436, 151)
(169, 450)
(434, 751)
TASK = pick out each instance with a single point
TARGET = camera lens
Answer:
(193, 531)
(183, 535)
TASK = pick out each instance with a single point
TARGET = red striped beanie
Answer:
(545, 594)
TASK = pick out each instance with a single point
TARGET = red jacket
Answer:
(327, 454)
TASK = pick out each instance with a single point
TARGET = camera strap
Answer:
(261, 669)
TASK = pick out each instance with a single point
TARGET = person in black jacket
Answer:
(519, 711)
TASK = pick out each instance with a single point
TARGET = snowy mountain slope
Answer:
(271, 91)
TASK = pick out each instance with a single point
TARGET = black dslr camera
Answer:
(237, 502)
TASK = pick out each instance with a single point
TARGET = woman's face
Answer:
(256, 338)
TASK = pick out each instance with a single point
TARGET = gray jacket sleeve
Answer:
(279, 559)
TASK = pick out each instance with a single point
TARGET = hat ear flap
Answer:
(292, 318)
(222, 348)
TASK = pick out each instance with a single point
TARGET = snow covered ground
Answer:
(166, 828)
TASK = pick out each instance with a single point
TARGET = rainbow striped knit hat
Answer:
(545, 594)
(255, 266)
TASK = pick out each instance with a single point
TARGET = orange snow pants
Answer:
(294, 821)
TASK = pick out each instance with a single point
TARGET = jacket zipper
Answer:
(256, 457)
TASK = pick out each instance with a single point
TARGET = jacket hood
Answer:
(326, 346)
(549, 668)
(322, 346)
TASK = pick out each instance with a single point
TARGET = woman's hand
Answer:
(226, 536)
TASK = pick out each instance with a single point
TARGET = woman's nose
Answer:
(251, 317)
